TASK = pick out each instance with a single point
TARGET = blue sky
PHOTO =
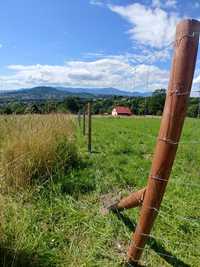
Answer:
(124, 44)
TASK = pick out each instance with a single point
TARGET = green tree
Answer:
(72, 104)
(193, 110)
(155, 104)
(33, 108)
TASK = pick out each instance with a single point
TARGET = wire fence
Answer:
(165, 212)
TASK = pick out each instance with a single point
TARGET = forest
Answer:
(102, 105)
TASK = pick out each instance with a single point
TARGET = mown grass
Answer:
(58, 223)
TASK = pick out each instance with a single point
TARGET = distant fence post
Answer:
(84, 120)
(79, 118)
(187, 39)
(89, 128)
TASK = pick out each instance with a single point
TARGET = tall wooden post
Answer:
(84, 121)
(89, 128)
(186, 46)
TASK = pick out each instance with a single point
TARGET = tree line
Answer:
(151, 105)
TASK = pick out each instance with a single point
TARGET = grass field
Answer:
(57, 222)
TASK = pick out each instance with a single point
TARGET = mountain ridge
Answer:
(58, 93)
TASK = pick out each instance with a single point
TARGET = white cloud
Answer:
(196, 80)
(93, 55)
(96, 2)
(1, 46)
(156, 3)
(164, 3)
(107, 72)
(171, 3)
(152, 27)
(144, 56)
(148, 56)
(151, 30)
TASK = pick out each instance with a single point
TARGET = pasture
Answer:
(55, 219)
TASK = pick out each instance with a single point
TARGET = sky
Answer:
(124, 44)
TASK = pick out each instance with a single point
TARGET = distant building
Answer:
(121, 111)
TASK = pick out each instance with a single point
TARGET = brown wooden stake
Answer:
(184, 60)
(89, 128)
(79, 118)
(133, 200)
(84, 121)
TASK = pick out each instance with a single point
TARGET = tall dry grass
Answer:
(34, 147)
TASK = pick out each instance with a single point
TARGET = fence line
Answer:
(166, 241)
(169, 136)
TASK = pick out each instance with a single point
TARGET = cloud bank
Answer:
(107, 72)
(151, 31)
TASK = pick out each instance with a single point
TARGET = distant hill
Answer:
(39, 93)
(103, 91)
(58, 93)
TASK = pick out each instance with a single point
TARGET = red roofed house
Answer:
(121, 111)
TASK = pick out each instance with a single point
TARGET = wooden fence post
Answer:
(79, 118)
(84, 121)
(89, 128)
(186, 46)
(181, 77)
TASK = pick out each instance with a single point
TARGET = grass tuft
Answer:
(34, 148)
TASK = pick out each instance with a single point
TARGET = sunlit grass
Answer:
(34, 147)
(58, 223)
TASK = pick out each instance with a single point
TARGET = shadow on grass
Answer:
(95, 152)
(76, 180)
(79, 181)
(12, 258)
(132, 265)
(153, 244)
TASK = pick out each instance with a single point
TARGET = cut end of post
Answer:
(188, 25)
(133, 200)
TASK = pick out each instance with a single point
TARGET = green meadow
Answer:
(52, 192)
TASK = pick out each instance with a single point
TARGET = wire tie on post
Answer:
(191, 35)
(150, 208)
(139, 248)
(159, 253)
(178, 93)
(155, 177)
(169, 141)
